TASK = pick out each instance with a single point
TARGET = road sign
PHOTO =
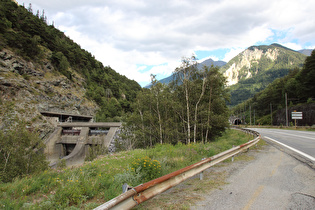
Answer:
(297, 115)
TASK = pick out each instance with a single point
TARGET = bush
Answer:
(61, 164)
(94, 151)
(21, 151)
(132, 177)
(150, 169)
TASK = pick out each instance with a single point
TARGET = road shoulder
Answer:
(272, 180)
(262, 178)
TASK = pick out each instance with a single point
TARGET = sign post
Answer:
(296, 116)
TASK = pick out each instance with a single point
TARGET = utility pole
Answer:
(286, 110)
(271, 113)
(250, 115)
(254, 117)
(245, 113)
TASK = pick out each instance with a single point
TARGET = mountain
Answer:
(210, 62)
(307, 52)
(253, 69)
(299, 87)
(43, 69)
(207, 62)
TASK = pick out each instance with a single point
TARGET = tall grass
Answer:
(96, 182)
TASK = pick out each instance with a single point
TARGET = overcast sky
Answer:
(142, 37)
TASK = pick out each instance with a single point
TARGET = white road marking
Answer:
(305, 137)
(295, 150)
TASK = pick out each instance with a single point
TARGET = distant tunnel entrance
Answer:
(237, 121)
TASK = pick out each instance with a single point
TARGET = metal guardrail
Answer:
(148, 190)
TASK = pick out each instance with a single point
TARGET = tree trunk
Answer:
(188, 113)
(160, 122)
(6, 161)
(196, 108)
(208, 123)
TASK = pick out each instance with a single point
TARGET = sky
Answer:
(138, 38)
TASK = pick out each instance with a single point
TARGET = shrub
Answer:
(309, 100)
(132, 177)
(61, 164)
(150, 169)
(94, 151)
(20, 149)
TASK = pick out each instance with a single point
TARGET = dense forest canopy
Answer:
(31, 37)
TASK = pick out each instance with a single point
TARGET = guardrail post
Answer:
(201, 174)
(126, 187)
(233, 155)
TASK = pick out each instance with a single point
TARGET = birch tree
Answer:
(156, 90)
(183, 76)
(203, 87)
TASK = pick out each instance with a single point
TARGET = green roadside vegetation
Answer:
(192, 191)
(96, 182)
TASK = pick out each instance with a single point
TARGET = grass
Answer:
(188, 193)
(96, 182)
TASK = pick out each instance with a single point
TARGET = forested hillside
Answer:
(255, 68)
(299, 86)
(30, 37)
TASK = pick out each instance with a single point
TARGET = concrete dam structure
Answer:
(71, 140)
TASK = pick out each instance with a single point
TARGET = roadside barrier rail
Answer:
(145, 191)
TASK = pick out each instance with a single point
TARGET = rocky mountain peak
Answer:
(256, 59)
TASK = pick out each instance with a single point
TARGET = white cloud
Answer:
(293, 46)
(125, 34)
(232, 53)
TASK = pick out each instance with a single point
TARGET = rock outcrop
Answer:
(35, 87)
(247, 60)
(257, 59)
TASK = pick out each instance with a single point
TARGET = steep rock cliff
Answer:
(33, 87)
(258, 59)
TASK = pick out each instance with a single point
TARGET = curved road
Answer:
(273, 180)
(301, 142)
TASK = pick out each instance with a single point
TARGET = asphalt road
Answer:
(272, 180)
(302, 142)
